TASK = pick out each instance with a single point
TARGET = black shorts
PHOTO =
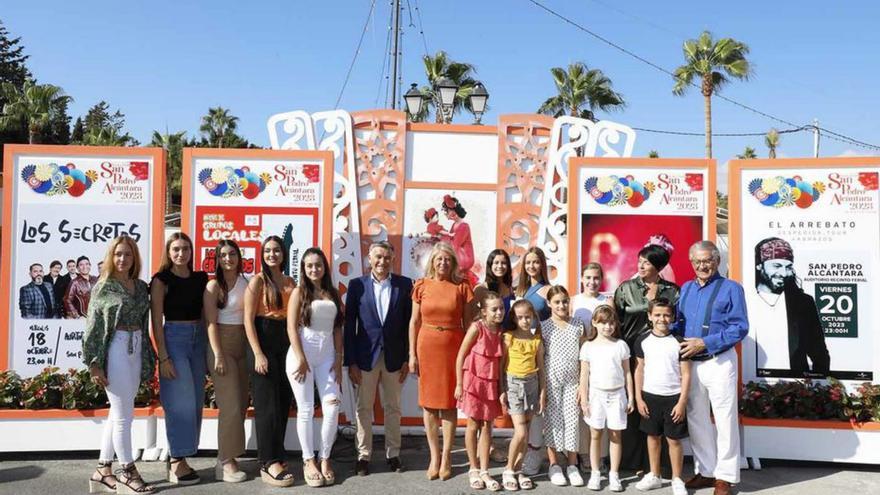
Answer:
(660, 421)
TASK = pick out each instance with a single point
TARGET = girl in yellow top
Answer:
(525, 393)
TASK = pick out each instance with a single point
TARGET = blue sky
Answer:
(163, 63)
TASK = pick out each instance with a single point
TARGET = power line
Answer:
(382, 75)
(421, 27)
(720, 134)
(357, 51)
(842, 137)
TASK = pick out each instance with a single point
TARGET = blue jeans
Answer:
(184, 396)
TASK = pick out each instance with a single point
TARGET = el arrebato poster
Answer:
(249, 199)
(809, 256)
(623, 209)
(65, 211)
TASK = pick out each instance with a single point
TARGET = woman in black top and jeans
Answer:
(177, 294)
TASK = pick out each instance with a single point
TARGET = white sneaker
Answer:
(532, 462)
(649, 482)
(614, 482)
(678, 487)
(574, 476)
(595, 482)
(556, 476)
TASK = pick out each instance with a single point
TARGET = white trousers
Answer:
(124, 377)
(320, 354)
(715, 446)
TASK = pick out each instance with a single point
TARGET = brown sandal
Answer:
(100, 485)
(129, 481)
(329, 475)
(312, 474)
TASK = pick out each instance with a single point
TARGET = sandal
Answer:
(508, 479)
(99, 485)
(491, 483)
(130, 481)
(525, 482)
(311, 473)
(328, 474)
(190, 478)
(474, 480)
(282, 479)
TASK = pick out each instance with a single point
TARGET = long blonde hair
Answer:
(109, 268)
(444, 247)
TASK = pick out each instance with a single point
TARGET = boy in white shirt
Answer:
(662, 382)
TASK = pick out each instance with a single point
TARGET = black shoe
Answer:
(362, 467)
(395, 465)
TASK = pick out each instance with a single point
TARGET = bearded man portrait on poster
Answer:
(783, 304)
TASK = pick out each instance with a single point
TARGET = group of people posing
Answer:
(646, 363)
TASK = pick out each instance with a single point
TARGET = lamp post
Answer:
(445, 90)
(479, 97)
(444, 98)
(414, 100)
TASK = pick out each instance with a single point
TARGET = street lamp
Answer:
(479, 97)
(413, 99)
(444, 91)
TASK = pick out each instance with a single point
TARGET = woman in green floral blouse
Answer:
(120, 357)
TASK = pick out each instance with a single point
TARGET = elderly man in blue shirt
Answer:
(711, 316)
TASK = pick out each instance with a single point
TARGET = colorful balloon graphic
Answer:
(229, 182)
(53, 180)
(779, 192)
(615, 191)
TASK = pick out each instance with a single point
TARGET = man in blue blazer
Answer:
(377, 312)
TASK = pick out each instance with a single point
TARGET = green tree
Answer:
(13, 70)
(173, 146)
(107, 136)
(58, 129)
(653, 154)
(436, 68)
(34, 104)
(771, 140)
(218, 126)
(748, 154)
(720, 200)
(100, 117)
(711, 62)
(580, 92)
(76, 135)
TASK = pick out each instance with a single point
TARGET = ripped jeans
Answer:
(320, 354)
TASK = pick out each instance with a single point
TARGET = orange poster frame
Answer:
(187, 211)
(734, 203)
(9, 197)
(576, 164)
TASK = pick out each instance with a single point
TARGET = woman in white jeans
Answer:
(120, 357)
(314, 326)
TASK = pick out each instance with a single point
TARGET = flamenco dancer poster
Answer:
(463, 219)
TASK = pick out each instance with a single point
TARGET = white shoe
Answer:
(532, 462)
(649, 482)
(574, 476)
(595, 482)
(678, 487)
(614, 482)
(556, 476)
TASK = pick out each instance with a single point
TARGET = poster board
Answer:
(247, 195)
(804, 236)
(617, 204)
(67, 203)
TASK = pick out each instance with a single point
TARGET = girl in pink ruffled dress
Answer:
(478, 386)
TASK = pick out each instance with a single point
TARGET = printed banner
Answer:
(248, 196)
(622, 209)
(65, 210)
(809, 255)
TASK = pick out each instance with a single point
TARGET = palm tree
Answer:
(772, 142)
(217, 124)
(106, 136)
(581, 91)
(709, 60)
(653, 154)
(438, 67)
(173, 146)
(748, 154)
(35, 105)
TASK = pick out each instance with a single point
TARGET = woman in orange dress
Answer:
(441, 311)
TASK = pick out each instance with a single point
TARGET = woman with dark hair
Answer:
(314, 327)
(265, 324)
(177, 293)
(224, 313)
(499, 279)
(120, 357)
(631, 301)
(459, 236)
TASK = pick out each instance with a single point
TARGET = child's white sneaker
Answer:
(649, 482)
(678, 487)
(531, 462)
(574, 476)
(556, 476)
(595, 482)
(614, 482)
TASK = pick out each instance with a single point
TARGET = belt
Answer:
(128, 329)
(702, 357)
(440, 328)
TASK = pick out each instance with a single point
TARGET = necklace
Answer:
(767, 302)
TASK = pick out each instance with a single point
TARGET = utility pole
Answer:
(816, 138)
(395, 53)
